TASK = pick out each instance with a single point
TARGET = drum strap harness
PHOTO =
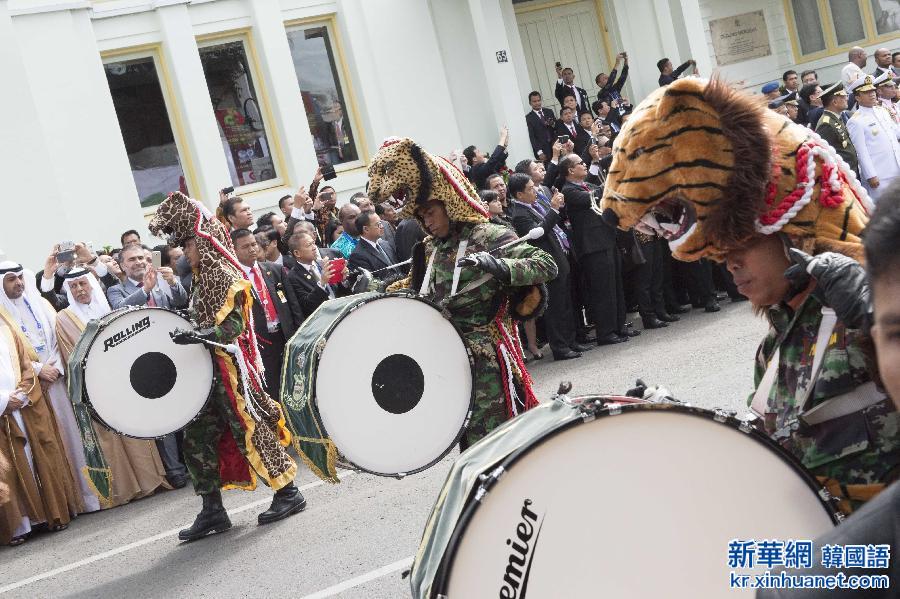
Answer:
(427, 283)
(851, 402)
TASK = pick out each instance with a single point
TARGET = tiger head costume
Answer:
(405, 171)
(219, 280)
(708, 167)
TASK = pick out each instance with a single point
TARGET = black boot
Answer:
(652, 322)
(666, 317)
(288, 500)
(212, 519)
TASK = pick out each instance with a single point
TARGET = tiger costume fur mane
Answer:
(709, 167)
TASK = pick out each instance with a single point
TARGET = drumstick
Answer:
(535, 233)
(404, 263)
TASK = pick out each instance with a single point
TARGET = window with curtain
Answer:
(887, 16)
(809, 26)
(238, 115)
(323, 95)
(847, 20)
(826, 27)
(146, 130)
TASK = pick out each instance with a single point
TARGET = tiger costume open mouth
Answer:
(673, 219)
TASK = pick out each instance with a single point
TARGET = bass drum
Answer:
(137, 381)
(388, 378)
(585, 499)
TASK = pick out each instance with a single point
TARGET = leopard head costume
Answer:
(403, 170)
(708, 167)
(218, 280)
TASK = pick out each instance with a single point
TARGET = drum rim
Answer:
(86, 397)
(442, 574)
(469, 356)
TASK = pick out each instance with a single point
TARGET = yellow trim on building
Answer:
(830, 34)
(244, 35)
(154, 51)
(346, 83)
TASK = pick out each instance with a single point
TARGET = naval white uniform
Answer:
(875, 136)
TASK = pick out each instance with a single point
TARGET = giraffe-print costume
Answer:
(230, 442)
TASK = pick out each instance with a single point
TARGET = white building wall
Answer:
(758, 71)
(66, 158)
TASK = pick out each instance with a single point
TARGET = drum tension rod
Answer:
(487, 481)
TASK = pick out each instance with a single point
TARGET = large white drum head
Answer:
(139, 382)
(394, 385)
(642, 504)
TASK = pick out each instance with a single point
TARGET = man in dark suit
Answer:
(667, 74)
(409, 233)
(481, 165)
(583, 135)
(274, 318)
(883, 59)
(541, 127)
(566, 124)
(610, 87)
(339, 136)
(527, 213)
(371, 252)
(308, 280)
(594, 242)
(565, 84)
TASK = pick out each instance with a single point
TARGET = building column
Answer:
(406, 59)
(503, 88)
(695, 34)
(179, 49)
(67, 171)
(280, 80)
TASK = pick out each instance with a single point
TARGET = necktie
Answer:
(150, 301)
(317, 275)
(340, 139)
(540, 208)
(263, 292)
(572, 131)
(383, 254)
(577, 96)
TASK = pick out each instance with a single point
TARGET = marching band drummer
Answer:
(135, 468)
(479, 299)
(240, 434)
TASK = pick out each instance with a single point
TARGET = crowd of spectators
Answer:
(311, 250)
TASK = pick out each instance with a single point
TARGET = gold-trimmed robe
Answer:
(136, 469)
(48, 493)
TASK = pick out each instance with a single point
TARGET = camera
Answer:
(66, 251)
(228, 190)
(328, 172)
(563, 139)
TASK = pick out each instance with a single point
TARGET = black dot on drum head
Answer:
(398, 384)
(153, 375)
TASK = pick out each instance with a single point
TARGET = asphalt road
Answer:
(355, 538)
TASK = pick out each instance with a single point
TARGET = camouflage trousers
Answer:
(489, 410)
(202, 438)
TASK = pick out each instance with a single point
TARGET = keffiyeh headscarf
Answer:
(30, 303)
(99, 306)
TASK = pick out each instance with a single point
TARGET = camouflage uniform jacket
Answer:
(474, 309)
(857, 449)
